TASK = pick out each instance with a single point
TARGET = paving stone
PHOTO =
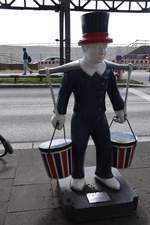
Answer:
(8, 165)
(37, 217)
(139, 179)
(141, 156)
(30, 168)
(3, 212)
(28, 196)
(5, 189)
(90, 157)
(29, 157)
(31, 174)
(12, 159)
(31, 197)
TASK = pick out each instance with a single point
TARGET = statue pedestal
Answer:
(97, 202)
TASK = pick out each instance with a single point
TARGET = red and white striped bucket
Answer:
(57, 157)
(123, 144)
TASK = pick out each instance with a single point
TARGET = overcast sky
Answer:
(26, 27)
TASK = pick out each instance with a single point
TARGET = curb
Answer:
(58, 85)
(27, 85)
(35, 144)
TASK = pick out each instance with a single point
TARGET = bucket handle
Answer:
(55, 106)
(54, 134)
(128, 125)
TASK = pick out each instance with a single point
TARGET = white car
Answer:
(49, 62)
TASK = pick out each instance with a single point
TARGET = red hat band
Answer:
(95, 37)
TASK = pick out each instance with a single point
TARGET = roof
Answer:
(142, 50)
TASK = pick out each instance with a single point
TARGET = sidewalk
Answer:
(27, 197)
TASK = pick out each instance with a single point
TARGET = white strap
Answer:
(51, 90)
(127, 88)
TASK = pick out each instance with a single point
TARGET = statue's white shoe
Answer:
(112, 183)
(78, 184)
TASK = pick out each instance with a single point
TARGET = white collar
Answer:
(91, 69)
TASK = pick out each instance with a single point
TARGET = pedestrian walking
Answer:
(26, 60)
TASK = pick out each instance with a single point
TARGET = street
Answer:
(25, 113)
(139, 75)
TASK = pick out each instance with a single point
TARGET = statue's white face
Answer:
(95, 52)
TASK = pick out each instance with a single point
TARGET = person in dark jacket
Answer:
(25, 62)
(89, 83)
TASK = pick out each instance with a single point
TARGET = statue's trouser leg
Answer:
(98, 128)
(101, 138)
(79, 136)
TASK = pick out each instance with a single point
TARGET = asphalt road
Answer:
(25, 113)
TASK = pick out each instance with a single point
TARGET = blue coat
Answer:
(89, 92)
(89, 117)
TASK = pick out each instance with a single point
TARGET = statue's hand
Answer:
(58, 121)
(120, 116)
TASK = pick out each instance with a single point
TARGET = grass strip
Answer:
(29, 80)
(43, 80)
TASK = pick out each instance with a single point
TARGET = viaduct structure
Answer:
(63, 7)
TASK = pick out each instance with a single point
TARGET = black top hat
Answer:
(95, 28)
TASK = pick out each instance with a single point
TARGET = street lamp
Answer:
(61, 52)
(59, 40)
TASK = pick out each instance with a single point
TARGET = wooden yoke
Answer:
(76, 65)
